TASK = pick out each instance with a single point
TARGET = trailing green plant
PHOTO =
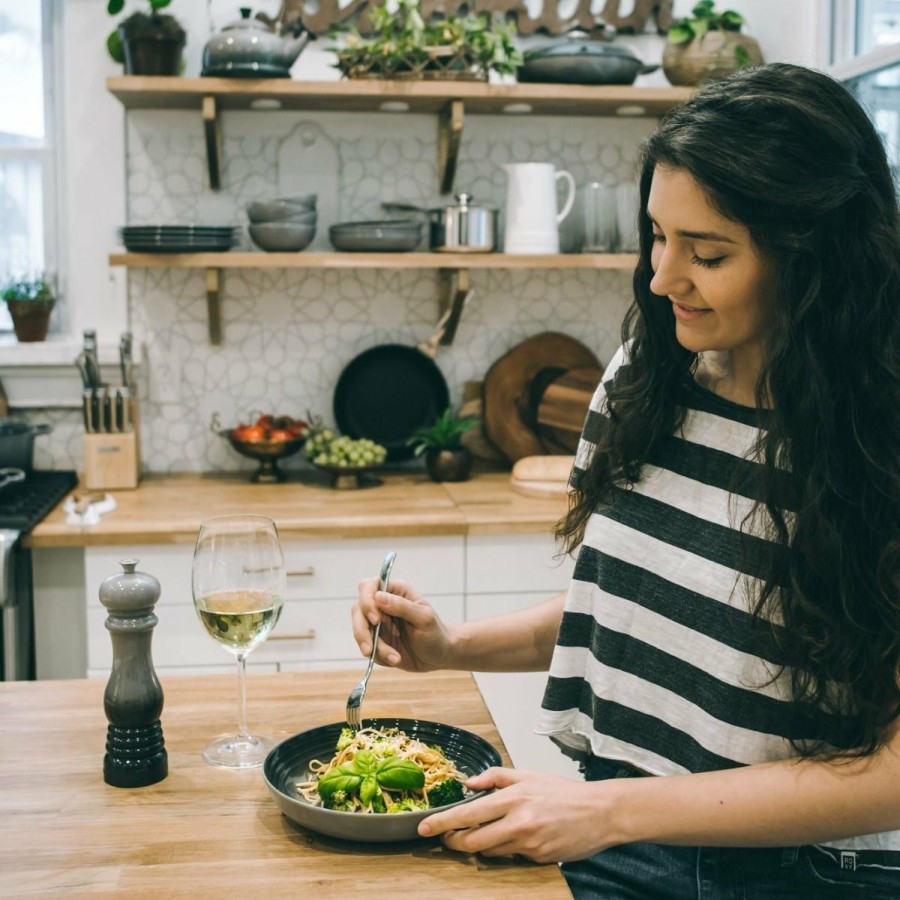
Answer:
(39, 289)
(445, 434)
(705, 18)
(404, 44)
(140, 21)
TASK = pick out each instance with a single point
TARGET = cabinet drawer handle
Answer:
(308, 572)
(303, 636)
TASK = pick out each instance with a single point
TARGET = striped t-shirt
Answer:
(659, 662)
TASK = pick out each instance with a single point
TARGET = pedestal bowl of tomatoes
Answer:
(269, 439)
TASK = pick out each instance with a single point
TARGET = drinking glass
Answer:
(238, 581)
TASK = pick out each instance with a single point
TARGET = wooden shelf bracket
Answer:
(214, 305)
(450, 128)
(454, 297)
(211, 132)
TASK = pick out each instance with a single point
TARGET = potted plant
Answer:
(147, 43)
(707, 45)
(404, 45)
(446, 459)
(30, 301)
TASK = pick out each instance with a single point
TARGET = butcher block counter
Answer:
(210, 832)
(167, 509)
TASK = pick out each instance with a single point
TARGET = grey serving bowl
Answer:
(288, 765)
(282, 208)
(276, 237)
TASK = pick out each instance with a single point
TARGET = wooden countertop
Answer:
(210, 832)
(167, 509)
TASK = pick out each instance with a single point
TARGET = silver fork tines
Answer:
(354, 701)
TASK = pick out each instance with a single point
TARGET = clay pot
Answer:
(30, 318)
(448, 465)
(712, 57)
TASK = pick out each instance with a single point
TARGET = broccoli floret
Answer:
(345, 739)
(449, 791)
(378, 804)
(340, 801)
(409, 805)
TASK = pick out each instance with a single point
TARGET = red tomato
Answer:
(267, 421)
(280, 434)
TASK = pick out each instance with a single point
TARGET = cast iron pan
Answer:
(386, 393)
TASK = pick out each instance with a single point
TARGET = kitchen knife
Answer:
(125, 360)
(87, 403)
(92, 363)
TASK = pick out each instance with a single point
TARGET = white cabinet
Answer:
(505, 573)
(314, 628)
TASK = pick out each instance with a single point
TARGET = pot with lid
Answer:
(17, 443)
(582, 60)
(461, 227)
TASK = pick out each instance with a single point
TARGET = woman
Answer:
(725, 663)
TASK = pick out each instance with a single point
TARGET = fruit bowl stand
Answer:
(266, 453)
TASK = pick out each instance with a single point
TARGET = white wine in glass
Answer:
(238, 585)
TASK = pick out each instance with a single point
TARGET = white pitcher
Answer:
(532, 218)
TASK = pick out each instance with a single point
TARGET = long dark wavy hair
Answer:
(789, 153)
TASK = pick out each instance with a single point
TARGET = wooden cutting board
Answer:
(516, 378)
(563, 406)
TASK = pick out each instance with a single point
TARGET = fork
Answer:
(354, 701)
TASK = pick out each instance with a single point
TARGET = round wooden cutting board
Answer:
(518, 377)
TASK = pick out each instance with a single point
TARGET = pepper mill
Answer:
(135, 749)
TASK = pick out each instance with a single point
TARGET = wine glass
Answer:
(238, 581)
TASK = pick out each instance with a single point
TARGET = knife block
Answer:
(112, 462)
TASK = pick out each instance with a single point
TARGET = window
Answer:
(866, 45)
(28, 221)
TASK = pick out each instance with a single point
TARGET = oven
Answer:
(23, 504)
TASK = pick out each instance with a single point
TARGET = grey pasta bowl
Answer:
(287, 765)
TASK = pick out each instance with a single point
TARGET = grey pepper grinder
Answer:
(135, 749)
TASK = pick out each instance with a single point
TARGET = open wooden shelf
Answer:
(259, 260)
(143, 92)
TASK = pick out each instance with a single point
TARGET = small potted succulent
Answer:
(708, 44)
(30, 301)
(446, 459)
(146, 43)
(404, 45)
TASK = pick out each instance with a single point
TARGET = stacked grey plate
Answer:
(178, 238)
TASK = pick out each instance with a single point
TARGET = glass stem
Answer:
(242, 698)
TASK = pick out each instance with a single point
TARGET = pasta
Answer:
(382, 770)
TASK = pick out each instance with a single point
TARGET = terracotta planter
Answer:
(31, 319)
(712, 57)
(448, 465)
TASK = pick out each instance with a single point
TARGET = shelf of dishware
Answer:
(450, 100)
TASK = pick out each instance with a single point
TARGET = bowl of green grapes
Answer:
(348, 462)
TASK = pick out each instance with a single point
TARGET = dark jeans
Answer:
(643, 871)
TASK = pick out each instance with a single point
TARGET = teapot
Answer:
(249, 48)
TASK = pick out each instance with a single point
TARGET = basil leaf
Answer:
(368, 789)
(400, 775)
(365, 762)
(336, 780)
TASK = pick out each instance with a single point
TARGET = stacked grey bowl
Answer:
(283, 224)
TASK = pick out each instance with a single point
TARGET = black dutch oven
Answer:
(17, 443)
(579, 60)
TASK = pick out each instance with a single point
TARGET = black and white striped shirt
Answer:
(659, 662)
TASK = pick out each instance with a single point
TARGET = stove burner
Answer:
(24, 504)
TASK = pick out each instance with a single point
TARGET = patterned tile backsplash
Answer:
(288, 333)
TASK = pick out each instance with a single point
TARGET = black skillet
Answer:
(390, 390)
